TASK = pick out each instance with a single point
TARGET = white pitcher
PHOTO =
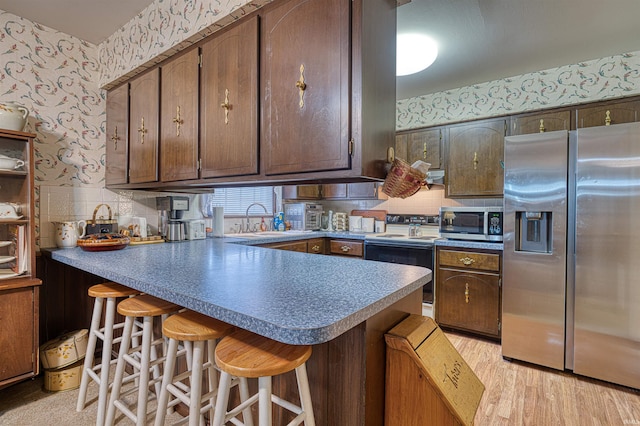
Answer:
(13, 116)
(67, 233)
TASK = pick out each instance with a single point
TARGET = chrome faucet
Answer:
(248, 228)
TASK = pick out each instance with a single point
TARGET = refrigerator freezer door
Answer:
(534, 277)
(607, 290)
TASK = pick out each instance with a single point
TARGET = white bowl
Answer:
(9, 163)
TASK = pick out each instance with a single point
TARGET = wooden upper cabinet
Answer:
(301, 192)
(179, 118)
(540, 122)
(144, 110)
(305, 92)
(608, 113)
(229, 102)
(117, 135)
(425, 145)
(475, 158)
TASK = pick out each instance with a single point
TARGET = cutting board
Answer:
(376, 214)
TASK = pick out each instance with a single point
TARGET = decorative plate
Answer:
(103, 242)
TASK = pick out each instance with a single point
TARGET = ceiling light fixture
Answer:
(415, 52)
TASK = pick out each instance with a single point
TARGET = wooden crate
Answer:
(427, 381)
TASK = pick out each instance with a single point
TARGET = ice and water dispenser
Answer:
(533, 231)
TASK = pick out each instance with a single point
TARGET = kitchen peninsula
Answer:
(341, 306)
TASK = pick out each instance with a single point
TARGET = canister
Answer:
(65, 378)
(64, 350)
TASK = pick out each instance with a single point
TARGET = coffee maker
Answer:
(170, 212)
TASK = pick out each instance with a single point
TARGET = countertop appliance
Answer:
(170, 212)
(571, 283)
(408, 240)
(303, 216)
(471, 223)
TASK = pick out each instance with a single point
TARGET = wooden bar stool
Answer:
(146, 307)
(194, 329)
(101, 292)
(245, 354)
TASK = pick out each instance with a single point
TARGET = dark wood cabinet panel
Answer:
(606, 114)
(540, 122)
(306, 87)
(301, 192)
(144, 110)
(18, 339)
(346, 248)
(316, 246)
(469, 301)
(229, 99)
(179, 118)
(425, 145)
(117, 134)
(299, 246)
(475, 158)
(352, 191)
(467, 290)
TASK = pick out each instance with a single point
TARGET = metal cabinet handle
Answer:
(424, 151)
(115, 138)
(226, 106)
(178, 120)
(301, 85)
(475, 161)
(345, 248)
(466, 293)
(607, 118)
(467, 260)
(315, 248)
(142, 130)
(542, 128)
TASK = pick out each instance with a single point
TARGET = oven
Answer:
(418, 254)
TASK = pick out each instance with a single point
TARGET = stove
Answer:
(407, 229)
(408, 241)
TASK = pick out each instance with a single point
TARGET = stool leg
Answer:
(91, 348)
(196, 383)
(222, 400)
(264, 401)
(243, 386)
(305, 395)
(106, 359)
(143, 388)
(117, 380)
(212, 374)
(169, 367)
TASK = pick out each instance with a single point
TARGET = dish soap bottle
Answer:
(263, 225)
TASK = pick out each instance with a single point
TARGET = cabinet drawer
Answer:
(316, 246)
(347, 248)
(299, 246)
(469, 260)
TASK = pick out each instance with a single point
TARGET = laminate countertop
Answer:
(295, 298)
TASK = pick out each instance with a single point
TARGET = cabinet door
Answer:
(229, 99)
(425, 145)
(475, 159)
(334, 191)
(469, 301)
(362, 191)
(144, 109)
(540, 122)
(306, 57)
(607, 114)
(301, 192)
(117, 135)
(179, 118)
(17, 338)
(402, 144)
(316, 246)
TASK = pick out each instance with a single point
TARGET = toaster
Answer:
(196, 230)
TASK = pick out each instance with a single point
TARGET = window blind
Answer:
(236, 200)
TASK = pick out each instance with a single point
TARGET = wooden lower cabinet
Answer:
(349, 248)
(19, 332)
(467, 291)
(314, 245)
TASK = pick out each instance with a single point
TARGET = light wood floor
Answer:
(518, 393)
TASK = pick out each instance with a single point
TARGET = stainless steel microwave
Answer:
(471, 223)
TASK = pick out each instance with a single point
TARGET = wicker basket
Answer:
(402, 180)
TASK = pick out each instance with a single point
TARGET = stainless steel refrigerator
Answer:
(571, 283)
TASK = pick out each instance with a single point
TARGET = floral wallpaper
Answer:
(163, 28)
(606, 78)
(55, 76)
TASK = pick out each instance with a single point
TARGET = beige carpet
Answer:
(28, 404)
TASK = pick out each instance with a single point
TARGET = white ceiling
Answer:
(480, 40)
